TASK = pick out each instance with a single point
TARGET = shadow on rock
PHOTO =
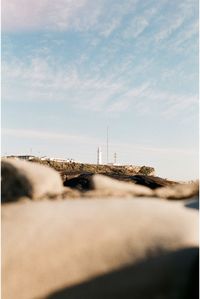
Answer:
(83, 182)
(13, 184)
(151, 181)
(169, 276)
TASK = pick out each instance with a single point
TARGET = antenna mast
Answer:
(107, 142)
(99, 156)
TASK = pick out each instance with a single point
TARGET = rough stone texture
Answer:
(52, 245)
(21, 178)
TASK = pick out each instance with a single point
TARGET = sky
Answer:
(70, 69)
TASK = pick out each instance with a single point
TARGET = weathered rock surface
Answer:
(26, 179)
(55, 245)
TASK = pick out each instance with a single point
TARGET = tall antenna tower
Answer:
(107, 143)
(99, 156)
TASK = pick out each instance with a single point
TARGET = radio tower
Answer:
(107, 143)
(99, 156)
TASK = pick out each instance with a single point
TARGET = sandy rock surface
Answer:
(49, 246)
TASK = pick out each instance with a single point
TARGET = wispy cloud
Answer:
(112, 94)
(170, 104)
(190, 31)
(128, 148)
(44, 82)
(121, 147)
(141, 21)
(168, 28)
(62, 15)
(136, 27)
(45, 14)
(177, 23)
(34, 134)
(146, 100)
(126, 99)
(110, 27)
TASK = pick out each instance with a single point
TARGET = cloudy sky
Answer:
(70, 68)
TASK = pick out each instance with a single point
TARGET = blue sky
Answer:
(72, 68)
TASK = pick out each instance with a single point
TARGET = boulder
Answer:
(111, 186)
(28, 179)
(53, 246)
(179, 191)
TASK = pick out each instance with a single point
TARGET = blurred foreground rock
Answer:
(138, 185)
(179, 191)
(134, 248)
(83, 182)
(31, 180)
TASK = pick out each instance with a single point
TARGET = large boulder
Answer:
(56, 245)
(28, 179)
